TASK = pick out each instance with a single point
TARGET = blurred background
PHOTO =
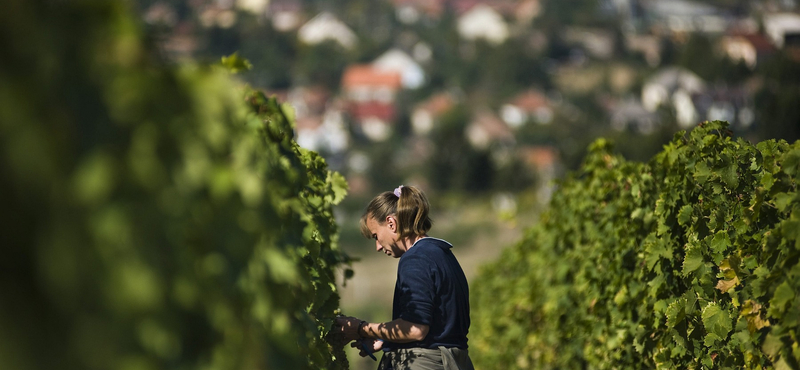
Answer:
(484, 104)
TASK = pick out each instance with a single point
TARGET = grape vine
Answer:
(155, 215)
(687, 261)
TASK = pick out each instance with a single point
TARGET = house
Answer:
(486, 129)
(647, 45)
(181, 44)
(411, 74)
(370, 96)
(326, 27)
(675, 86)
(426, 114)
(546, 163)
(527, 10)
(320, 124)
(598, 43)
(734, 104)
(531, 105)
(412, 11)
(684, 16)
(482, 22)
(783, 29)
(218, 16)
(630, 113)
(285, 15)
(308, 100)
(748, 48)
(257, 7)
(161, 14)
(326, 133)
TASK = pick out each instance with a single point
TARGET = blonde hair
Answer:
(410, 208)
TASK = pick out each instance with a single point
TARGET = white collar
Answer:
(428, 237)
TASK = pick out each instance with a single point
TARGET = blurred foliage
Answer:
(153, 217)
(687, 261)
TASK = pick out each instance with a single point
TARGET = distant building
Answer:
(411, 74)
(748, 48)
(528, 106)
(161, 14)
(325, 26)
(546, 163)
(258, 7)
(325, 133)
(648, 45)
(181, 44)
(426, 114)
(487, 129)
(483, 22)
(320, 123)
(370, 95)
(783, 29)
(285, 15)
(674, 86)
(218, 16)
(598, 43)
(527, 10)
(732, 104)
(630, 113)
(684, 16)
(412, 11)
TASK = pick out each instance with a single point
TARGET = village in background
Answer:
(498, 96)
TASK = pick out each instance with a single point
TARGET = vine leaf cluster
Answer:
(155, 215)
(691, 260)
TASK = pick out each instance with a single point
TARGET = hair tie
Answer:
(397, 191)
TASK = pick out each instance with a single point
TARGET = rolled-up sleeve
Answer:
(417, 290)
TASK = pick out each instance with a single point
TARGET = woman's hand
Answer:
(349, 327)
(374, 345)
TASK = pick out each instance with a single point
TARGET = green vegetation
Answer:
(688, 261)
(153, 217)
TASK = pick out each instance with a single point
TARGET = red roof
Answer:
(365, 75)
(530, 100)
(383, 111)
(438, 104)
(432, 8)
(540, 157)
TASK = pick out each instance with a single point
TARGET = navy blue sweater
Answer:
(431, 289)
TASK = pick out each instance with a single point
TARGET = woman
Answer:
(430, 311)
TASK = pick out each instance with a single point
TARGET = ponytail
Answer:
(408, 204)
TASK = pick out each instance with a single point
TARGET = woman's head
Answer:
(407, 204)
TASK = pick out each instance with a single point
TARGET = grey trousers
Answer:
(426, 359)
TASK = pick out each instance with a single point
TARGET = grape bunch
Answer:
(336, 341)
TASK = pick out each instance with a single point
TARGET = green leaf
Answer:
(693, 260)
(783, 200)
(339, 185)
(772, 346)
(236, 63)
(783, 295)
(716, 320)
(702, 172)
(791, 162)
(767, 181)
(783, 365)
(730, 176)
(676, 312)
(685, 214)
(720, 243)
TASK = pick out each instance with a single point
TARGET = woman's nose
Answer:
(378, 246)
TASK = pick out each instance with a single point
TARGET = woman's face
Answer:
(385, 236)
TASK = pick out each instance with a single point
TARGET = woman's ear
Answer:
(391, 221)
